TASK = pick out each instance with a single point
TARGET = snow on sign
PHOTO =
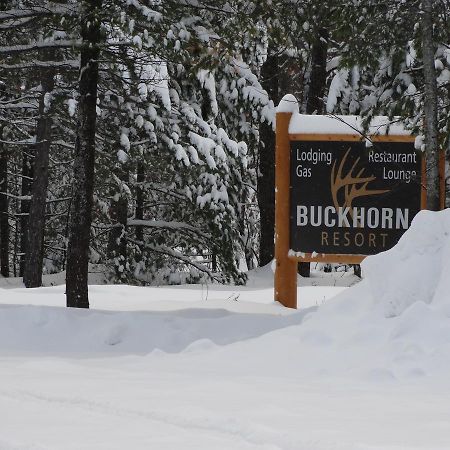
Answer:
(350, 199)
(343, 191)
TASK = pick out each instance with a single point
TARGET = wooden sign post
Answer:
(340, 194)
(285, 267)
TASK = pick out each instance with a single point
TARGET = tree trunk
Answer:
(140, 201)
(4, 221)
(117, 245)
(32, 276)
(83, 184)
(27, 181)
(316, 91)
(318, 80)
(430, 108)
(266, 166)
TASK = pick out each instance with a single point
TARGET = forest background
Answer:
(137, 136)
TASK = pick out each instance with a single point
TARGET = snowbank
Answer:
(138, 320)
(395, 324)
(416, 270)
(58, 331)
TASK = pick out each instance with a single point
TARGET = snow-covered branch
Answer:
(165, 224)
(164, 250)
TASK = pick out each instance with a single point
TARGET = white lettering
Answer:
(314, 156)
(358, 217)
(403, 175)
(342, 217)
(401, 218)
(327, 211)
(316, 219)
(302, 215)
(373, 218)
(386, 217)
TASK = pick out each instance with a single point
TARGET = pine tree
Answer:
(397, 68)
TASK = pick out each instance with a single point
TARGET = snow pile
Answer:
(288, 104)
(58, 331)
(396, 323)
(417, 269)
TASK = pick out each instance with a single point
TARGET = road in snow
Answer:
(187, 401)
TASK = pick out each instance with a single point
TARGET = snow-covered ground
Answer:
(224, 367)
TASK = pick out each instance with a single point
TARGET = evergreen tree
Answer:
(398, 67)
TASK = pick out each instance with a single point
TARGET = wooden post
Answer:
(285, 268)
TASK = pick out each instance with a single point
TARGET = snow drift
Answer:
(58, 331)
(416, 270)
(394, 324)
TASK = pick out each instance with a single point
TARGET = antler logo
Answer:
(353, 185)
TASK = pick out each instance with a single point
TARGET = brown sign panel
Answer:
(350, 199)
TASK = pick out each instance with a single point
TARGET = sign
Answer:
(337, 199)
(350, 199)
